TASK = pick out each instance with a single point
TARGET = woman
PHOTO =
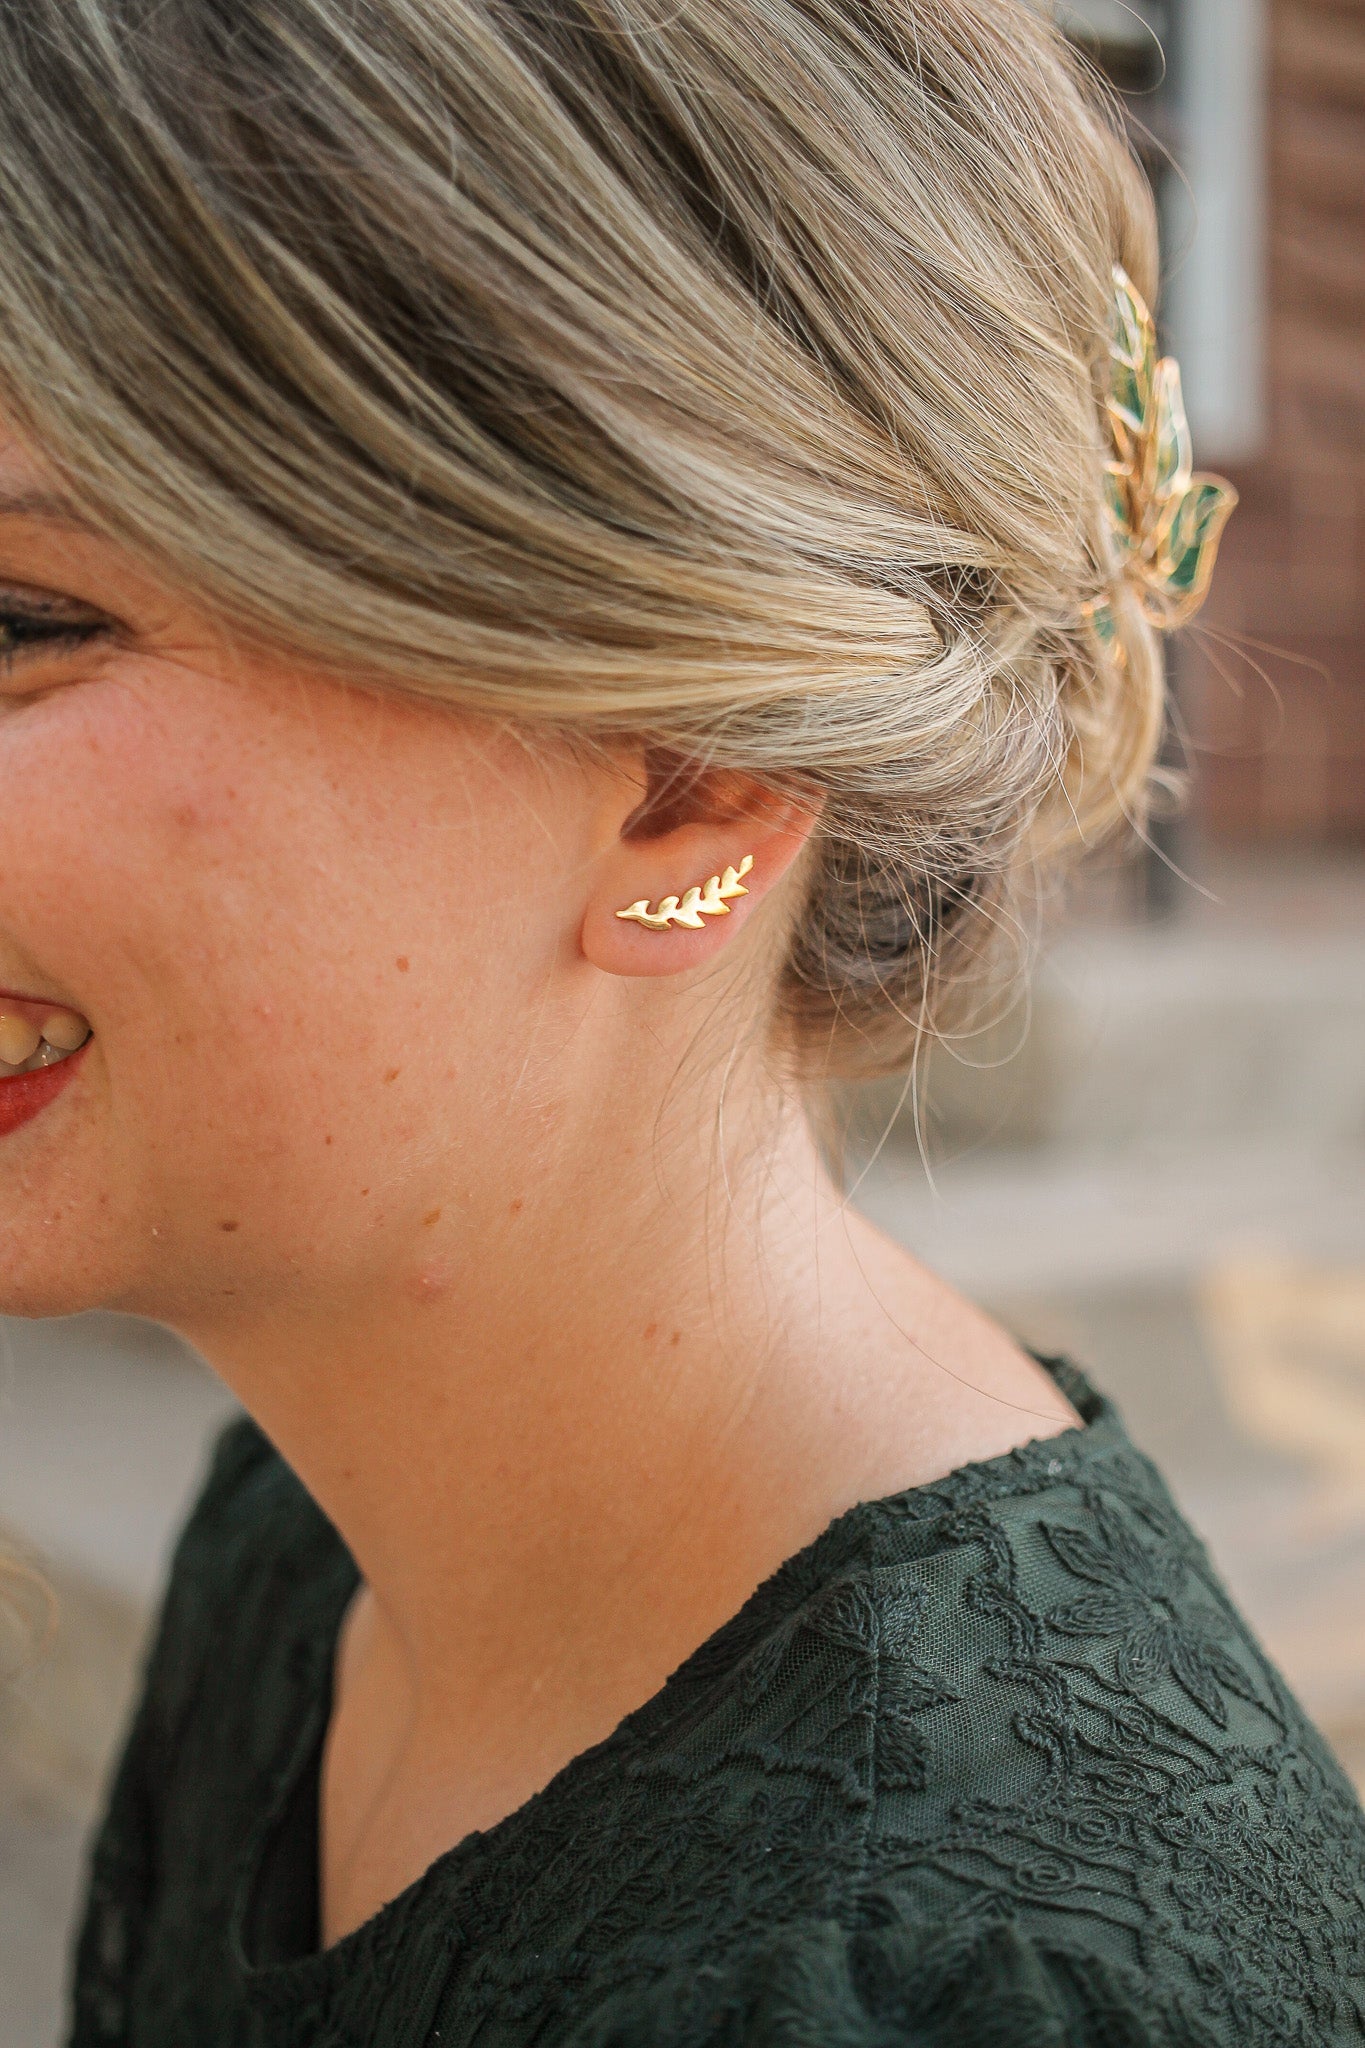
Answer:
(555, 573)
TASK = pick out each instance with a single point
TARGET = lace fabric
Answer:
(993, 1761)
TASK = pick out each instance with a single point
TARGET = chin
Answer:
(61, 1269)
(36, 1295)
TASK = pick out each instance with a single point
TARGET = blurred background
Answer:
(1158, 1164)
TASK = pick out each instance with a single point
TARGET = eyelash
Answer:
(26, 633)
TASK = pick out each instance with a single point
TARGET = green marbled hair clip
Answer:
(1165, 519)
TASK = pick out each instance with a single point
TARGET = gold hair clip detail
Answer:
(705, 899)
(1164, 518)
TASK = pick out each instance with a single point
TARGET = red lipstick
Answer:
(23, 1095)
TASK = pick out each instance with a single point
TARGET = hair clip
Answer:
(1165, 519)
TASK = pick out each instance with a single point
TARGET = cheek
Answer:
(121, 872)
(298, 963)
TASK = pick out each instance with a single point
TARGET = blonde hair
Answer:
(723, 373)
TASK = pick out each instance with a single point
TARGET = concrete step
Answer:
(1053, 1218)
(1182, 1035)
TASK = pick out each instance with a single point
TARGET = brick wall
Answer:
(1280, 722)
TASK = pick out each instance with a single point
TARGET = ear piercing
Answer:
(705, 899)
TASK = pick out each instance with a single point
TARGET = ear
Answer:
(689, 866)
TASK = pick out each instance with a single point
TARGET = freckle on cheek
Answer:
(515, 1206)
(432, 1216)
(230, 1223)
(402, 963)
(393, 1074)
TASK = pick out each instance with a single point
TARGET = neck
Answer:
(611, 1372)
(671, 1369)
(563, 1458)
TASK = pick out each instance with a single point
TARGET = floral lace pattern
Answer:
(993, 1763)
(1138, 1602)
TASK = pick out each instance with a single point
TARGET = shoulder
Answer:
(1079, 1735)
(996, 1761)
(897, 1986)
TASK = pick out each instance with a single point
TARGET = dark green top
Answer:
(992, 1763)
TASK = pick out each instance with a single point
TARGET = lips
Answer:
(22, 1096)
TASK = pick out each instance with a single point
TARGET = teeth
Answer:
(65, 1031)
(19, 1038)
(26, 1045)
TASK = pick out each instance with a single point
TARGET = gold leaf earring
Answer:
(703, 899)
